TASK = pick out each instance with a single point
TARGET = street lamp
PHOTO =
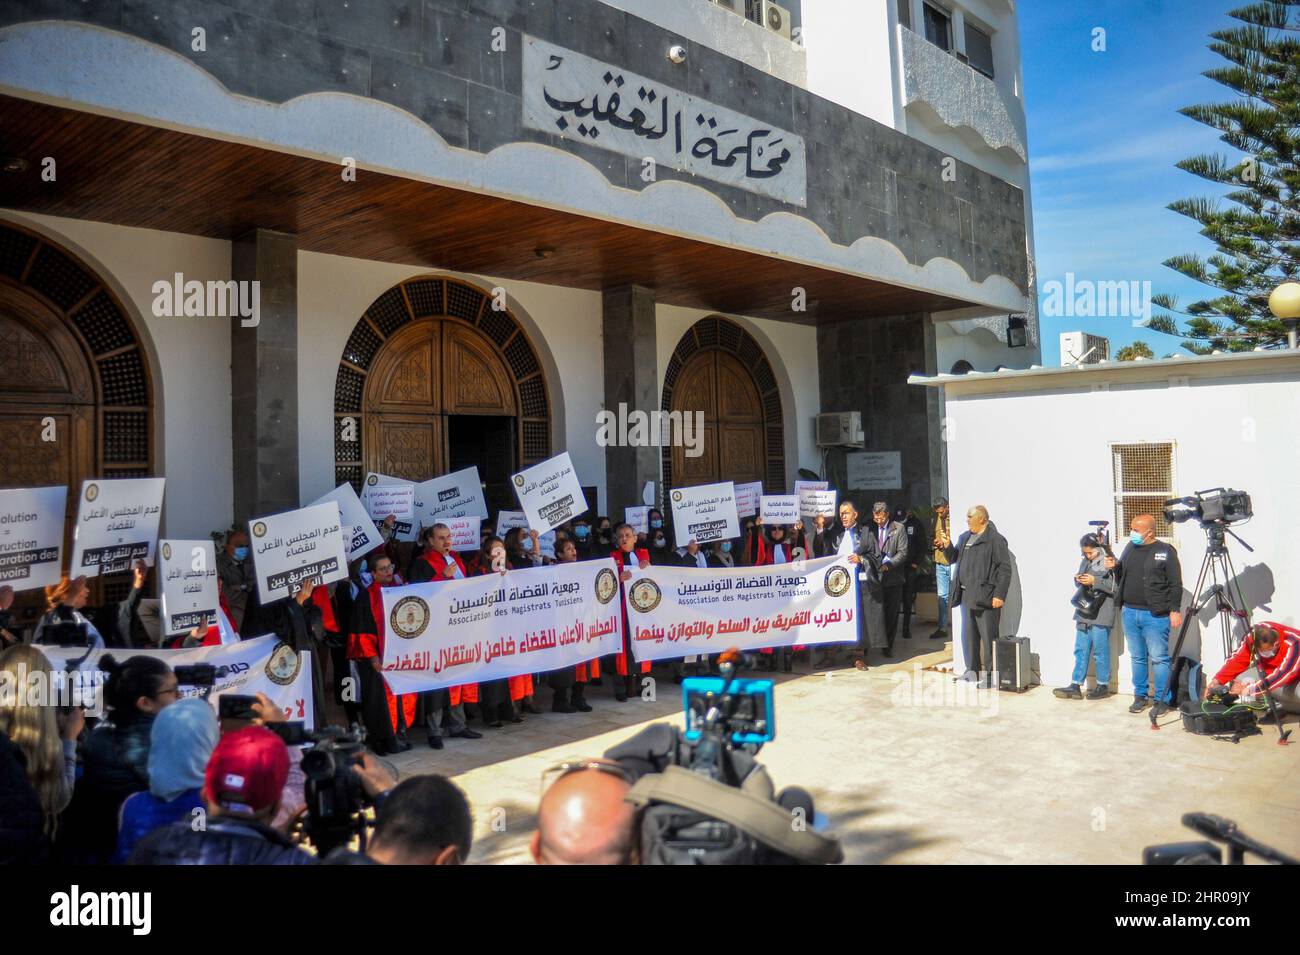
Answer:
(1284, 302)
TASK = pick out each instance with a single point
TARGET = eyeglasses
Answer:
(557, 772)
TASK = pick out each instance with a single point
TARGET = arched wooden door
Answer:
(719, 370)
(717, 385)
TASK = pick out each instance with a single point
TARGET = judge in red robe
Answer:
(385, 715)
(626, 555)
(774, 547)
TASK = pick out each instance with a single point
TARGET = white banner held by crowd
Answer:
(747, 496)
(117, 524)
(476, 629)
(187, 570)
(704, 513)
(779, 508)
(360, 535)
(291, 547)
(550, 493)
(677, 611)
(258, 665)
(31, 536)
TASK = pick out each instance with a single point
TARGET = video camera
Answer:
(1216, 505)
(704, 798)
(336, 801)
(1207, 853)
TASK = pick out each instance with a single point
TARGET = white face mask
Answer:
(1268, 654)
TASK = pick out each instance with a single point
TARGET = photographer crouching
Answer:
(1094, 617)
(1268, 661)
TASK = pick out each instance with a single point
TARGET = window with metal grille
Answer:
(1144, 480)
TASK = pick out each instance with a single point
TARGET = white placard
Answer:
(117, 524)
(464, 532)
(31, 536)
(550, 493)
(291, 547)
(676, 611)
(779, 508)
(384, 496)
(360, 536)
(638, 518)
(704, 513)
(648, 494)
(509, 520)
(491, 627)
(188, 572)
(403, 528)
(747, 496)
(817, 502)
(871, 470)
(459, 494)
(257, 665)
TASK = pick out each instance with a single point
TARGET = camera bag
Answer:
(1208, 718)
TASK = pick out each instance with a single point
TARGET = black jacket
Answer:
(115, 760)
(225, 841)
(22, 822)
(983, 570)
(1162, 576)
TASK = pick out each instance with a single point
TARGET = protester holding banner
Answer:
(295, 621)
(568, 684)
(495, 703)
(523, 552)
(115, 757)
(439, 562)
(773, 547)
(386, 717)
(67, 599)
(627, 553)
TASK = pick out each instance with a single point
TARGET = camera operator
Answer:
(66, 600)
(583, 818)
(1149, 597)
(1093, 620)
(424, 820)
(1268, 661)
(242, 788)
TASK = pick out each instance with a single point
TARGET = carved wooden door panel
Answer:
(474, 378)
(402, 428)
(732, 449)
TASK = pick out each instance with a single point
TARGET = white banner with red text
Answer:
(446, 633)
(680, 611)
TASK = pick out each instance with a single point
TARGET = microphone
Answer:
(1216, 827)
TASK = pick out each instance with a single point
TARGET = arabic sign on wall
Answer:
(585, 100)
(875, 469)
(117, 524)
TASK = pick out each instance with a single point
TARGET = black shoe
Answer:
(939, 635)
(907, 636)
(467, 733)
(402, 745)
(620, 695)
(561, 705)
(1161, 709)
(787, 663)
(579, 700)
(887, 652)
(435, 742)
(1139, 704)
(528, 706)
(496, 724)
(1098, 692)
(1070, 692)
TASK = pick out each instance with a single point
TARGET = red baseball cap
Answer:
(247, 770)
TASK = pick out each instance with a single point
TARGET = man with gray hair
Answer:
(980, 587)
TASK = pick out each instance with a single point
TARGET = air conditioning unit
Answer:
(772, 16)
(841, 429)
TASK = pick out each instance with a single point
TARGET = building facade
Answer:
(469, 226)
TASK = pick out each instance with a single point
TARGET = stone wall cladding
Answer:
(434, 59)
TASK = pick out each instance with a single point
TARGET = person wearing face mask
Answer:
(235, 571)
(1150, 598)
(387, 717)
(602, 537)
(1092, 622)
(585, 542)
(1268, 661)
(109, 626)
(722, 554)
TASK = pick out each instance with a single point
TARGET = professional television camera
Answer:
(1216, 505)
(704, 798)
(1207, 853)
(336, 801)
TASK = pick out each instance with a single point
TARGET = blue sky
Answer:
(1104, 134)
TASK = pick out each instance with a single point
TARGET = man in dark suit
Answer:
(847, 539)
(890, 538)
(980, 587)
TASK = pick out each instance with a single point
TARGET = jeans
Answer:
(1095, 642)
(942, 586)
(1147, 637)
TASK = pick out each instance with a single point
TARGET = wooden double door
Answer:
(439, 398)
(733, 447)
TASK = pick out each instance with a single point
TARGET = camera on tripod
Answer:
(1216, 505)
(336, 800)
(1208, 853)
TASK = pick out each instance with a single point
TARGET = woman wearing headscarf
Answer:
(181, 740)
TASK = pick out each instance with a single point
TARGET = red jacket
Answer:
(368, 641)
(767, 552)
(1283, 669)
(439, 564)
(641, 555)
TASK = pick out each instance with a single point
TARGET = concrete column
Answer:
(631, 379)
(264, 377)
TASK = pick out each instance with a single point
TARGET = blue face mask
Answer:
(582, 531)
(656, 524)
(365, 566)
(1136, 538)
(241, 553)
(726, 547)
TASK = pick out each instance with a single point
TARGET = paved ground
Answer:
(910, 772)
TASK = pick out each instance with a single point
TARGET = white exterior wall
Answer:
(189, 359)
(850, 56)
(1040, 461)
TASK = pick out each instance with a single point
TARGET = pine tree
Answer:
(1256, 226)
